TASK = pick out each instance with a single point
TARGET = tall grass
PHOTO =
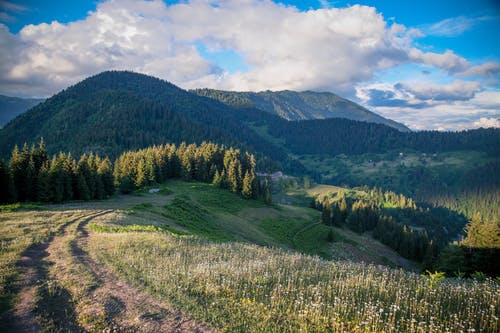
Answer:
(246, 288)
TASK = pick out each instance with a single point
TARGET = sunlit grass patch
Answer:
(240, 287)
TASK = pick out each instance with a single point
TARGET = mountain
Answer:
(116, 111)
(11, 107)
(113, 111)
(306, 105)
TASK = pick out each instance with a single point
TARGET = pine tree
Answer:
(326, 213)
(247, 190)
(83, 192)
(56, 181)
(217, 181)
(43, 184)
(17, 174)
(105, 172)
(6, 194)
(141, 177)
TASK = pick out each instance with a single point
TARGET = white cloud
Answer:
(448, 61)
(325, 49)
(455, 91)
(490, 69)
(487, 122)
(454, 106)
(329, 49)
(416, 95)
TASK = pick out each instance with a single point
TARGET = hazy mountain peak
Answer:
(305, 105)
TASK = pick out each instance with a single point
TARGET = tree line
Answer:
(415, 232)
(32, 175)
(211, 163)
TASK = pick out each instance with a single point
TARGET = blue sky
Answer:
(429, 64)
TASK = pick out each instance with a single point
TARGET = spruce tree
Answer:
(247, 190)
(6, 194)
(141, 177)
(43, 184)
(217, 181)
(105, 172)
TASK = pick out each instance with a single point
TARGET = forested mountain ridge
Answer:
(306, 105)
(11, 107)
(116, 111)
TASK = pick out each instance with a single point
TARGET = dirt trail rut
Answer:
(123, 308)
(34, 271)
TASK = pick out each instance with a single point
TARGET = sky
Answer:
(428, 64)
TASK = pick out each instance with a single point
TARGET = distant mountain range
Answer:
(11, 107)
(116, 111)
(307, 105)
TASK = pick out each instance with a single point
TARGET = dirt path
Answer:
(127, 307)
(94, 298)
(33, 266)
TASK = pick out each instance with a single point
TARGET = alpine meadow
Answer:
(249, 166)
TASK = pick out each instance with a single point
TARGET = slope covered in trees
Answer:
(307, 105)
(342, 136)
(417, 232)
(116, 111)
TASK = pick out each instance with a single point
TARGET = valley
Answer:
(130, 204)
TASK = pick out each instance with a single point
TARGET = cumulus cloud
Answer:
(328, 49)
(454, 106)
(125, 34)
(455, 91)
(284, 48)
(416, 96)
(447, 61)
(487, 122)
(490, 69)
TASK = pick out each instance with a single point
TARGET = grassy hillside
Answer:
(198, 249)
(218, 215)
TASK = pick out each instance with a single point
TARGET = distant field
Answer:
(223, 262)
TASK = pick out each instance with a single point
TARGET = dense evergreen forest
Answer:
(31, 175)
(418, 232)
(208, 162)
(342, 136)
(117, 111)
